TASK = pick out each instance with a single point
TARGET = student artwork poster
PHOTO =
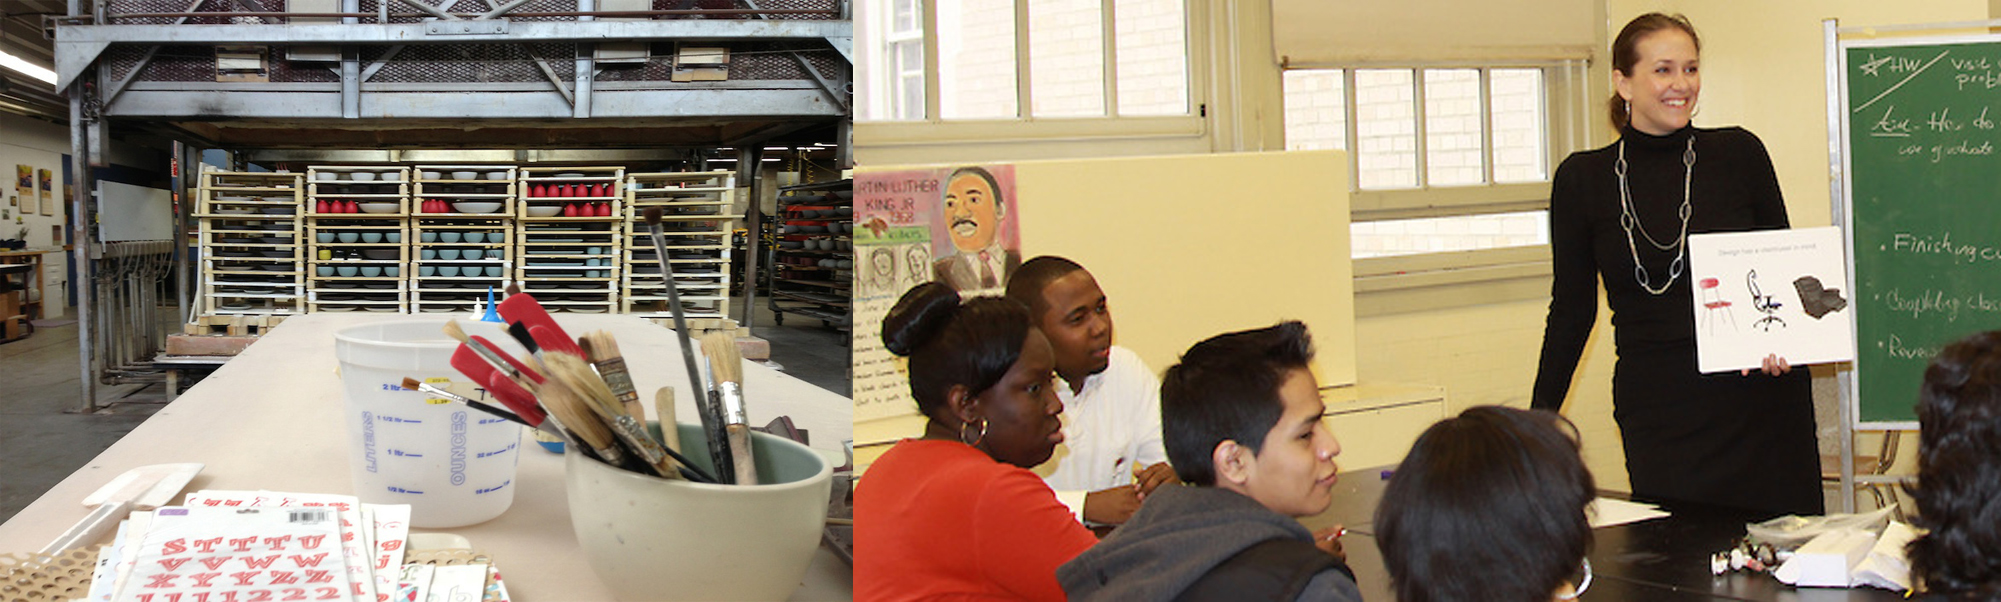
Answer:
(47, 189)
(1770, 292)
(911, 227)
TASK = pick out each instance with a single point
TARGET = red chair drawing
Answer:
(1713, 303)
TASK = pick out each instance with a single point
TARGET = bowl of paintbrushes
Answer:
(650, 538)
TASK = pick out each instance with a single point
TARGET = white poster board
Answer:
(1769, 292)
(134, 213)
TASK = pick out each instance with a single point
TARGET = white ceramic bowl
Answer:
(544, 211)
(326, 176)
(465, 175)
(476, 206)
(391, 176)
(496, 175)
(361, 176)
(379, 207)
(434, 175)
(649, 538)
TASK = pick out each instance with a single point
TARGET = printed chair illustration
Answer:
(1765, 304)
(1713, 303)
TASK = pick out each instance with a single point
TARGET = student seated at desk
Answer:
(1959, 455)
(1111, 456)
(957, 514)
(1242, 417)
(1488, 506)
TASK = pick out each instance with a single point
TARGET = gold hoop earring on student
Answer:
(977, 438)
(1582, 584)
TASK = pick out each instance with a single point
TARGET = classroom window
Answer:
(1085, 59)
(1420, 133)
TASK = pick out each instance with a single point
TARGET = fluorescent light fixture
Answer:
(729, 159)
(26, 68)
(770, 159)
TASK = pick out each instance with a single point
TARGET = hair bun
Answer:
(918, 317)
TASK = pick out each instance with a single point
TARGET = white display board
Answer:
(1770, 292)
(127, 212)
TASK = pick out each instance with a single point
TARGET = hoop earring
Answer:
(977, 439)
(1583, 585)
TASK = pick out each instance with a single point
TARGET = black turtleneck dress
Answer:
(1739, 441)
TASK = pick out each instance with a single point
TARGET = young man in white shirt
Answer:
(1111, 456)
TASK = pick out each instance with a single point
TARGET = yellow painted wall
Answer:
(1191, 246)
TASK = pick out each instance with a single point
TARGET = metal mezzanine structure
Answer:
(312, 76)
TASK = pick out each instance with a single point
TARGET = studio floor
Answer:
(43, 438)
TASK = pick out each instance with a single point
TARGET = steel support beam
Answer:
(504, 9)
(587, 66)
(350, 82)
(77, 46)
(692, 104)
(430, 10)
(748, 168)
(80, 255)
(369, 73)
(111, 95)
(554, 80)
(547, 155)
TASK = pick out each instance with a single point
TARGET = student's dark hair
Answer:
(1488, 505)
(1227, 388)
(993, 183)
(1026, 285)
(952, 343)
(1626, 53)
(1958, 486)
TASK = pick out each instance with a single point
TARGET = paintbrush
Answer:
(501, 360)
(670, 431)
(566, 407)
(416, 385)
(576, 375)
(726, 365)
(602, 350)
(680, 324)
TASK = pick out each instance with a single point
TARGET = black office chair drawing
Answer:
(1765, 304)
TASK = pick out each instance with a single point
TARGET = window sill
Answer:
(1414, 283)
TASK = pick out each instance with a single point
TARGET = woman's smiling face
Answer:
(1664, 83)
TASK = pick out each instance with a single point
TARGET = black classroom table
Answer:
(1664, 559)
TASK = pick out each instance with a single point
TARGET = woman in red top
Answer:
(956, 515)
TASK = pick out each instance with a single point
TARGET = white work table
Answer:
(271, 419)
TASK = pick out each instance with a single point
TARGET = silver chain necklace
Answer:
(1630, 221)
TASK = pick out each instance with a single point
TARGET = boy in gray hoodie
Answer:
(1241, 419)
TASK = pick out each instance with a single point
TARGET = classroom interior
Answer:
(1413, 338)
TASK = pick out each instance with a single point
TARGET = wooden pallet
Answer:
(233, 325)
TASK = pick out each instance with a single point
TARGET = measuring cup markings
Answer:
(368, 438)
(510, 447)
(502, 485)
(403, 454)
(395, 489)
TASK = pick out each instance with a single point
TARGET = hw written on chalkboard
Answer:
(1922, 200)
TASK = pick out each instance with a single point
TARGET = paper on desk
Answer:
(1608, 512)
(358, 537)
(200, 551)
(1886, 566)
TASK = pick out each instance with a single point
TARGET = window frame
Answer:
(1407, 283)
(1110, 124)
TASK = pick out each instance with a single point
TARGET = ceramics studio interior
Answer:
(237, 224)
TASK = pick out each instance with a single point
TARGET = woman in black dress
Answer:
(1624, 213)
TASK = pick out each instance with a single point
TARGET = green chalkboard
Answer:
(1923, 210)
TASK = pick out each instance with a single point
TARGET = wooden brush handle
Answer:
(746, 465)
(670, 426)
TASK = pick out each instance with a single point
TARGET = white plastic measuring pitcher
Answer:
(452, 464)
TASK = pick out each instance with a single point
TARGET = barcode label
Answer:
(308, 516)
